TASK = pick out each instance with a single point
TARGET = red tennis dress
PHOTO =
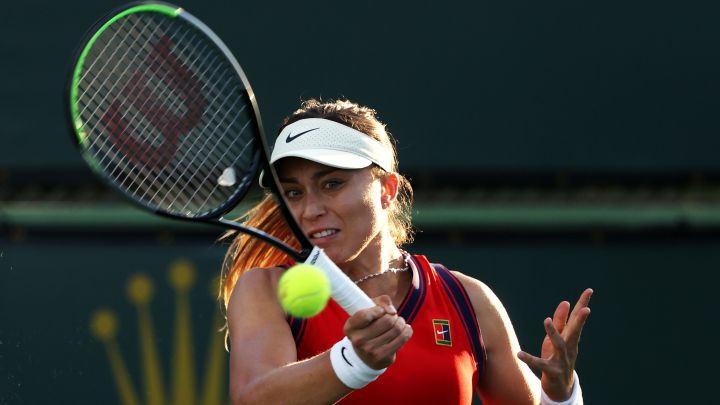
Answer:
(442, 361)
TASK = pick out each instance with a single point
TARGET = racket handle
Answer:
(348, 295)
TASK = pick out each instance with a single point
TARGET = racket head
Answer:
(162, 111)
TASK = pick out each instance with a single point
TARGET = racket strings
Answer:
(208, 195)
(217, 155)
(204, 185)
(185, 181)
(205, 141)
(148, 128)
(101, 72)
(122, 172)
(166, 123)
(150, 120)
(181, 179)
(114, 155)
(92, 69)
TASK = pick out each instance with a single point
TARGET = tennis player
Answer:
(422, 342)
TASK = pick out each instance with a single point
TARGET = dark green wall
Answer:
(520, 85)
(649, 338)
(49, 292)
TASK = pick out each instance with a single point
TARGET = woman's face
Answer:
(340, 210)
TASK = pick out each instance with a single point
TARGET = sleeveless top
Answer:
(442, 361)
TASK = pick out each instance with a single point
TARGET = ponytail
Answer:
(247, 252)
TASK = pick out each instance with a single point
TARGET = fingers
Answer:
(583, 301)
(363, 318)
(557, 379)
(377, 333)
(381, 350)
(385, 302)
(560, 346)
(557, 340)
(560, 316)
(535, 363)
(585, 297)
(578, 317)
(385, 335)
(559, 356)
(381, 331)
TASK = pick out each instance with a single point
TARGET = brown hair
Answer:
(246, 253)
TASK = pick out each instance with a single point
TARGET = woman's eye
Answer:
(332, 184)
(292, 193)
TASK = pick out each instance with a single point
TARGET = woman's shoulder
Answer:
(262, 274)
(255, 285)
(473, 286)
(481, 296)
(488, 307)
(478, 291)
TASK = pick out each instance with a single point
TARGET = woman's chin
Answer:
(333, 254)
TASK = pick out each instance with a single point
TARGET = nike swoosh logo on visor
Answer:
(291, 138)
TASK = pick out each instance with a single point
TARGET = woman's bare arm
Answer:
(263, 358)
(506, 379)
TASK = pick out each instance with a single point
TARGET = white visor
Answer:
(329, 143)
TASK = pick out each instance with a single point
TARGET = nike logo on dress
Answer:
(442, 332)
(291, 138)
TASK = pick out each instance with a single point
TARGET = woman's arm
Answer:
(507, 380)
(263, 359)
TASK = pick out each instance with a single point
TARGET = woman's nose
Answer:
(314, 206)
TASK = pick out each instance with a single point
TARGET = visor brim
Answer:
(333, 158)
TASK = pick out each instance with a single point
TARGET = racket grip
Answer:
(348, 295)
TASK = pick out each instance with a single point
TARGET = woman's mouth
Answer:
(323, 233)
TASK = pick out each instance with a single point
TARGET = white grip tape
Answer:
(576, 397)
(349, 296)
(349, 368)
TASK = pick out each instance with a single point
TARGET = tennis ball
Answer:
(303, 290)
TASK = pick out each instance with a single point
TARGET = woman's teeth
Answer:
(324, 233)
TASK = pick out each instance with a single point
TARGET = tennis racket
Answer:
(161, 110)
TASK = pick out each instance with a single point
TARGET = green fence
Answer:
(649, 337)
(523, 85)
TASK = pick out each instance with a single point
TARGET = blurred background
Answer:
(552, 146)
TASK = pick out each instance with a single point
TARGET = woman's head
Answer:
(342, 211)
(362, 119)
(247, 253)
(364, 122)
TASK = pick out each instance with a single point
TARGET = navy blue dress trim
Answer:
(462, 304)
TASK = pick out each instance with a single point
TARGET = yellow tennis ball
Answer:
(303, 290)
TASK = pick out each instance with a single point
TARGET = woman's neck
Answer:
(379, 257)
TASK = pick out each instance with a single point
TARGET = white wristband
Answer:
(349, 368)
(576, 397)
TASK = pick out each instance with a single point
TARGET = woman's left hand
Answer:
(560, 348)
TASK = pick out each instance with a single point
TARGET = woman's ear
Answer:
(390, 183)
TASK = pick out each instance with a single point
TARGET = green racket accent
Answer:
(160, 109)
(153, 8)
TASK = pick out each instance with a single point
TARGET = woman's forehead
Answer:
(295, 166)
(290, 165)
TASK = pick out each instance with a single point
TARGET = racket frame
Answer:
(262, 154)
(344, 291)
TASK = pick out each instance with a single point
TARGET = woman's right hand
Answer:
(377, 333)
